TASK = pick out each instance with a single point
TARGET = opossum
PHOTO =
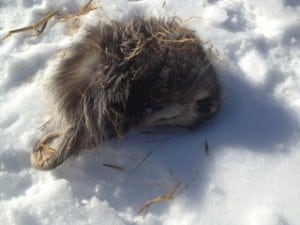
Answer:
(123, 75)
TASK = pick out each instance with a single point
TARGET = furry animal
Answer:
(122, 75)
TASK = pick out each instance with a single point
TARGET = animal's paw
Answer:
(43, 156)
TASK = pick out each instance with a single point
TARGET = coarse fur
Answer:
(123, 75)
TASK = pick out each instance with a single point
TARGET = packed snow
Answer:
(243, 167)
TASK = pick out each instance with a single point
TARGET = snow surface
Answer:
(251, 174)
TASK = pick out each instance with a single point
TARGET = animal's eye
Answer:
(206, 106)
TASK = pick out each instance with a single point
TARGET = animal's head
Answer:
(192, 100)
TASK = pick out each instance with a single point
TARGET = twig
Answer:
(184, 40)
(175, 191)
(116, 167)
(142, 161)
(41, 23)
(82, 11)
(74, 17)
(168, 196)
(206, 148)
(190, 19)
(187, 184)
(147, 156)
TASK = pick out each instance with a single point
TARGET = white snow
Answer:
(251, 174)
(257, 74)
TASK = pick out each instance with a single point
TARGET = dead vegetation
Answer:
(176, 189)
(165, 197)
(186, 43)
(113, 166)
(37, 27)
(73, 19)
(206, 148)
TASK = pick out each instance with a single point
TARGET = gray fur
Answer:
(124, 75)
